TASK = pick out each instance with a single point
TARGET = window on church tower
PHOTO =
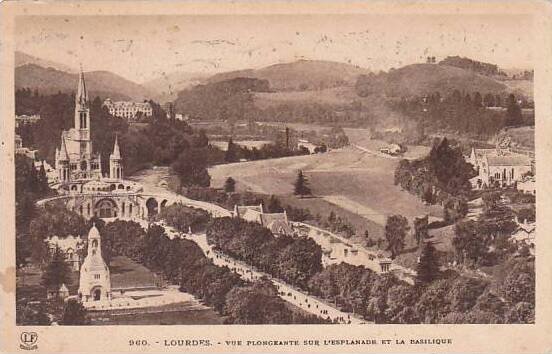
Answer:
(83, 120)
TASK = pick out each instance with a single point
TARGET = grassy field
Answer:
(350, 182)
(361, 137)
(125, 273)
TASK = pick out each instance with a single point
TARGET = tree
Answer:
(489, 100)
(468, 242)
(299, 261)
(231, 152)
(32, 315)
(191, 167)
(22, 251)
(230, 185)
(274, 205)
(519, 284)
(202, 140)
(74, 314)
(184, 218)
(513, 111)
(395, 233)
(477, 100)
(428, 266)
(301, 185)
(491, 200)
(420, 229)
(57, 272)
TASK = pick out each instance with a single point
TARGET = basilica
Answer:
(75, 161)
(80, 182)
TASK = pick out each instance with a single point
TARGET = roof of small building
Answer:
(269, 218)
(510, 159)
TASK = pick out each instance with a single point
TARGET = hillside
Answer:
(420, 79)
(230, 99)
(24, 58)
(302, 75)
(169, 84)
(99, 83)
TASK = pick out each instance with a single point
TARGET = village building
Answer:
(498, 167)
(62, 293)
(527, 185)
(127, 109)
(277, 223)
(21, 150)
(95, 281)
(303, 143)
(71, 247)
(25, 119)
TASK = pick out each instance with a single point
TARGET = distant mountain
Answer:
(99, 83)
(169, 84)
(24, 58)
(302, 75)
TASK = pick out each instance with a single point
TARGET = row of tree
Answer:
(235, 152)
(182, 261)
(293, 259)
(463, 112)
(449, 298)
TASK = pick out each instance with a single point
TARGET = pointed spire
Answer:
(82, 95)
(116, 152)
(63, 156)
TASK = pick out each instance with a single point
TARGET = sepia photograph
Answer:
(344, 170)
(307, 174)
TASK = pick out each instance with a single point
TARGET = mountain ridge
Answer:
(100, 83)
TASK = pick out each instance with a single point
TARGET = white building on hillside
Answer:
(127, 109)
(498, 167)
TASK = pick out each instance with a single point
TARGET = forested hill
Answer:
(422, 79)
(302, 75)
(230, 99)
(99, 83)
(473, 65)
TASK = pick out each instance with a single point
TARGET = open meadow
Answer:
(353, 183)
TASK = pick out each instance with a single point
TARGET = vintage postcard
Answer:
(276, 176)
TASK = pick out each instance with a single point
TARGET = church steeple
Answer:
(116, 152)
(82, 111)
(115, 165)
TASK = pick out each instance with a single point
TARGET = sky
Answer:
(142, 48)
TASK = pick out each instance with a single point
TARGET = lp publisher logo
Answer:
(28, 341)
